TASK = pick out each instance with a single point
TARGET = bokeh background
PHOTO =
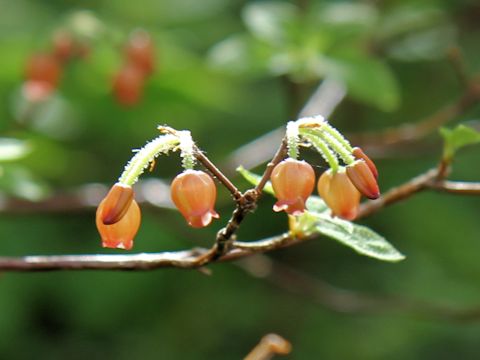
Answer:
(230, 71)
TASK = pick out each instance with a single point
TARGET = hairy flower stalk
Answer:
(137, 165)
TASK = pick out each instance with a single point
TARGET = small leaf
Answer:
(360, 238)
(254, 179)
(13, 149)
(457, 138)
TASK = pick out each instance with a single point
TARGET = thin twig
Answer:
(405, 133)
(279, 155)
(457, 187)
(200, 156)
(186, 259)
(398, 193)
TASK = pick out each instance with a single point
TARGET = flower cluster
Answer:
(193, 192)
(340, 186)
(43, 70)
(139, 53)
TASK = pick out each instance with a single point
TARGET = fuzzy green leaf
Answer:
(457, 138)
(360, 238)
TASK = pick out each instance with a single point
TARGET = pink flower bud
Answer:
(362, 177)
(339, 194)
(293, 182)
(360, 155)
(119, 235)
(194, 193)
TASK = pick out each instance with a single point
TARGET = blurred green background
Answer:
(231, 71)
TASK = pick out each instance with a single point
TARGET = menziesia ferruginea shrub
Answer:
(193, 192)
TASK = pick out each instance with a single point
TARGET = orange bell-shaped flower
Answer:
(293, 182)
(119, 234)
(194, 193)
(364, 180)
(128, 85)
(339, 194)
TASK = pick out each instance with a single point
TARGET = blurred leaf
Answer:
(20, 182)
(360, 238)
(237, 54)
(457, 138)
(13, 149)
(368, 80)
(405, 19)
(352, 14)
(254, 179)
(429, 44)
(268, 21)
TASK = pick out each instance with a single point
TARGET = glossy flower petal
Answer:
(293, 182)
(121, 234)
(359, 154)
(339, 194)
(194, 193)
(363, 179)
(116, 203)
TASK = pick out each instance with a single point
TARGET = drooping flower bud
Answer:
(140, 51)
(293, 182)
(44, 68)
(63, 45)
(363, 179)
(116, 203)
(194, 193)
(360, 155)
(339, 194)
(128, 85)
(119, 235)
